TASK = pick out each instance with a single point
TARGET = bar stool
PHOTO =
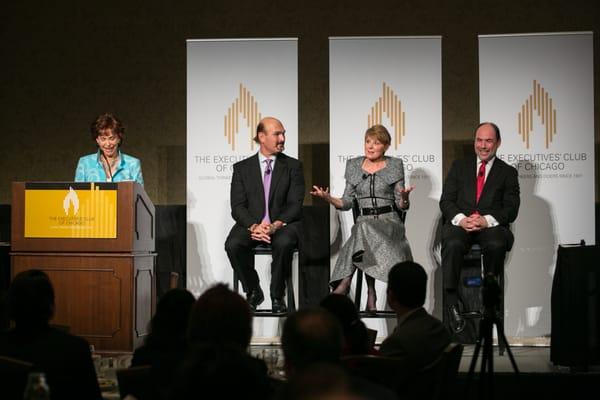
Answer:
(264, 249)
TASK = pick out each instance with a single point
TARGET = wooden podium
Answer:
(96, 243)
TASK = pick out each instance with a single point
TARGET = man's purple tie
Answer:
(267, 187)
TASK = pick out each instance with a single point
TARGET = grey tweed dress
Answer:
(379, 239)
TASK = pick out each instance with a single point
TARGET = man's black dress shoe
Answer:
(255, 297)
(457, 322)
(278, 306)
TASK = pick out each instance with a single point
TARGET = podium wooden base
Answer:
(107, 298)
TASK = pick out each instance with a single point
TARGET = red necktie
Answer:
(480, 179)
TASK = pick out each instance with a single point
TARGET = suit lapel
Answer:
(278, 172)
(254, 171)
(492, 177)
(471, 181)
(256, 176)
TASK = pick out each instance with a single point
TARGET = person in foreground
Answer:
(108, 164)
(356, 334)
(217, 364)
(165, 347)
(479, 200)
(65, 359)
(419, 338)
(312, 341)
(378, 239)
(267, 190)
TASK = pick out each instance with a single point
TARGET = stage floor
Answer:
(528, 359)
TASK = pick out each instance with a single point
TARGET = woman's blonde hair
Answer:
(380, 133)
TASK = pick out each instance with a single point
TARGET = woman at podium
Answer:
(108, 164)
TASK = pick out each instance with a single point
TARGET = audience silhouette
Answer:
(356, 338)
(419, 338)
(64, 358)
(218, 364)
(166, 345)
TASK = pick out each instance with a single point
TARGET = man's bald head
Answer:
(270, 135)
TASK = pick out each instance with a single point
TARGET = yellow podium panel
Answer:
(70, 210)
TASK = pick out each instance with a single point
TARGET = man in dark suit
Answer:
(479, 200)
(419, 338)
(64, 358)
(270, 216)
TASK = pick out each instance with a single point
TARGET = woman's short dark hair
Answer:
(107, 122)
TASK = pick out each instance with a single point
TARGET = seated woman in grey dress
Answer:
(377, 241)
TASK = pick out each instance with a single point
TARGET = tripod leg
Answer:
(490, 374)
(502, 342)
(502, 336)
(483, 375)
(473, 365)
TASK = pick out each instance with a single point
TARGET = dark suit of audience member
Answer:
(218, 364)
(278, 224)
(166, 345)
(310, 339)
(479, 200)
(64, 358)
(419, 338)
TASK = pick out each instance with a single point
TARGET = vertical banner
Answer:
(396, 82)
(538, 88)
(231, 85)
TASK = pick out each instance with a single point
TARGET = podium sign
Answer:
(70, 210)
(96, 242)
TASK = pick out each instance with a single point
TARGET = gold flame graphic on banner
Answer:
(541, 102)
(246, 105)
(389, 104)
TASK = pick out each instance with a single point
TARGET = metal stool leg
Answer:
(236, 281)
(290, 294)
(358, 292)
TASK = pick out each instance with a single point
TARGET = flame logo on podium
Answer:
(389, 104)
(71, 198)
(247, 106)
(540, 102)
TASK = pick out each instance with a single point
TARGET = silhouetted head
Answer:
(31, 299)
(407, 285)
(170, 322)
(311, 336)
(220, 316)
(355, 331)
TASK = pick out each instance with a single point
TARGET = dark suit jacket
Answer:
(285, 196)
(65, 359)
(500, 196)
(419, 340)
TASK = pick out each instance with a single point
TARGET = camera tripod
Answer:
(491, 303)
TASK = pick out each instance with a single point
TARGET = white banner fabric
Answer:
(538, 89)
(231, 84)
(395, 81)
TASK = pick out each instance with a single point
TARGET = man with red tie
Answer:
(479, 200)
(267, 191)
